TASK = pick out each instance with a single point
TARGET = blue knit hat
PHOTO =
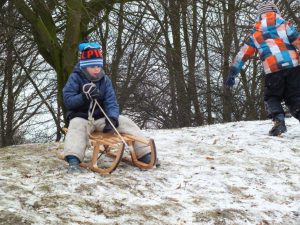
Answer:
(91, 54)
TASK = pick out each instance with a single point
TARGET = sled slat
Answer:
(135, 138)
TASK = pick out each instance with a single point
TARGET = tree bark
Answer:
(183, 102)
(208, 94)
(191, 48)
(8, 134)
(229, 23)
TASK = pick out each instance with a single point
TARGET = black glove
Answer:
(90, 91)
(230, 81)
(231, 77)
(107, 128)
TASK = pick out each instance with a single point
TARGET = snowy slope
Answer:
(221, 174)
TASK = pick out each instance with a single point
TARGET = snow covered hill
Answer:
(221, 174)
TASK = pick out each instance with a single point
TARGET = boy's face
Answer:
(94, 71)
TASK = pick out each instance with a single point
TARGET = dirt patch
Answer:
(11, 218)
(222, 217)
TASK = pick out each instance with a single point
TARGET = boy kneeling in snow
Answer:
(277, 43)
(88, 82)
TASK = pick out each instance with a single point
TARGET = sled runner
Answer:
(109, 145)
(108, 150)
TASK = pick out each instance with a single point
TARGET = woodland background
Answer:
(167, 59)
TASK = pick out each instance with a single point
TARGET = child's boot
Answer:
(73, 164)
(279, 125)
(147, 159)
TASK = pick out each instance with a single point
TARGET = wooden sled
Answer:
(108, 152)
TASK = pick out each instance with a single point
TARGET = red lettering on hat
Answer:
(90, 53)
(82, 55)
(98, 53)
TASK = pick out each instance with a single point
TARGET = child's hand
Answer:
(90, 91)
(231, 77)
(108, 127)
(230, 81)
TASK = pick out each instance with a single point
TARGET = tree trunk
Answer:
(229, 23)
(183, 103)
(191, 48)
(118, 49)
(7, 138)
(171, 72)
(206, 62)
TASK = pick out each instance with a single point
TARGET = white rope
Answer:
(112, 125)
(92, 110)
(88, 96)
(87, 92)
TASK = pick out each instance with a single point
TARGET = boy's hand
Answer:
(230, 81)
(107, 128)
(231, 77)
(90, 91)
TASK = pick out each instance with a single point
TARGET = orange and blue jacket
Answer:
(276, 41)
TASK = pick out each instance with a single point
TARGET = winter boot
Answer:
(73, 164)
(279, 126)
(147, 158)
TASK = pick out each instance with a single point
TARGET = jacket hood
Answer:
(267, 20)
(77, 69)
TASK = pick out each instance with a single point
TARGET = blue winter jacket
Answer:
(76, 102)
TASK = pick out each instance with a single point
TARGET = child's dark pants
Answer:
(284, 86)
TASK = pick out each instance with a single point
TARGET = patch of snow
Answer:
(230, 173)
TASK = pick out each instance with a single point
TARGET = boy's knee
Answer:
(78, 123)
(127, 125)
